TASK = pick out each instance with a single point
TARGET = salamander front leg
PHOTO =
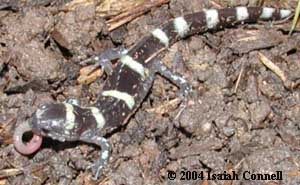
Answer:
(104, 59)
(174, 77)
(98, 166)
(73, 101)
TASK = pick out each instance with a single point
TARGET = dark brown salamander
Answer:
(130, 81)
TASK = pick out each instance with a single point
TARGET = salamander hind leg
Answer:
(177, 79)
(99, 165)
(104, 59)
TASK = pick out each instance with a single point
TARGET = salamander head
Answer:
(54, 120)
(51, 120)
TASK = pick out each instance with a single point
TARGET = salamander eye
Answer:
(43, 107)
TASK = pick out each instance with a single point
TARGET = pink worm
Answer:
(29, 147)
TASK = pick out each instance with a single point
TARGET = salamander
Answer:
(129, 82)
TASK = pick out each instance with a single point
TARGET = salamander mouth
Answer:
(26, 140)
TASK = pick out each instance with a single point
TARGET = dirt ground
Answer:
(243, 116)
